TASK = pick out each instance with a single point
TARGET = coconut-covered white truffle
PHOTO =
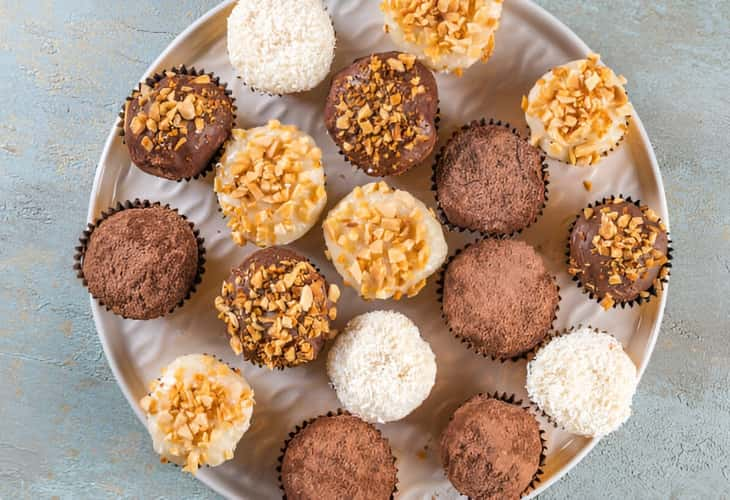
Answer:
(384, 242)
(380, 366)
(197, 411)
(281, 46)
(584, 381)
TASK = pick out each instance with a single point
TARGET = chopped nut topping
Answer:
(579, 108)
(444, 29)
(273, 313)
(270, 184)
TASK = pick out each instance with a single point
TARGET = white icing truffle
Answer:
(380, 366)
(578, 112)
(384, 242)
(281, 46)
(270, 184)
(447, 35)
(197, 411)
(584, 381)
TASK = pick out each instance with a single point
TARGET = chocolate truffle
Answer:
(489, 179)
(619, 251)
(336, 457)
(174, 125)
(491, 449)
(141, 262)
(277, 308)
(499, 298)
(381, 111)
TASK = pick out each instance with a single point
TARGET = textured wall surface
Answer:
(66, 430)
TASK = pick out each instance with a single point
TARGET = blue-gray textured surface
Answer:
(66, 430)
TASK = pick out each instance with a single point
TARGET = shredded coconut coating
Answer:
(281, 46)
(270, 184)
(446, 35)
(384, 242)
(380, 366)
(584, 381)
(197, 411)
(578, 112)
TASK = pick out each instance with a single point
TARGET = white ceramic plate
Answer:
(529, 42)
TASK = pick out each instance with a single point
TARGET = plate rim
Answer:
(537, 12)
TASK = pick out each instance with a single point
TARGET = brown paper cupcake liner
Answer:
(443, 218)
(183, 70)
(513, 400)
(469, 345)
(652, 291)
(137, 203)
(302, 426)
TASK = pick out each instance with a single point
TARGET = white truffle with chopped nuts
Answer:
(197, 411)
(446, 35)
(578, 112)
(384, 242)
(380, 366)
(270, 184)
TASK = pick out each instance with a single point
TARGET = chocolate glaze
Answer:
(421, 110)
(593, 268)
(489, 179)
(273, 256)
(338, 457)
(491, 449)
(141, 262)
(201, 146)
(498, 296)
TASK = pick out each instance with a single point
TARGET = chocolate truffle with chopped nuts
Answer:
(489, 179)
(277, 309)
(338, 456)
(619, 251)
(381, 111)
(174, 127)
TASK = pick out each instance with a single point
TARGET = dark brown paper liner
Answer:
(512, 400)
(137, 203)
(653, 292)
(183, 70)
(440, 294)
(303, 425)
(443, 218)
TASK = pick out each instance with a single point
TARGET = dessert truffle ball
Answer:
(578, 112)
(489, 179)
(281, 46)
(499, 298)
(337, 457)
(198, 411)
(584, 381)
(381, 112)
(174, 127)
(270, 184)
(445, 35)
(142, 262)
(384, 242)
(380, 366)
(619, 252)
(277, 309)
(491, 449)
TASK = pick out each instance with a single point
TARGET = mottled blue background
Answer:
(65, 66)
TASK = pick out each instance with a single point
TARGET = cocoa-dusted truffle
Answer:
(381, 111)
(277, 308)
(174, 125)
(336, 457)
(619, 251)
(499, 298)
(489, 179)
(141, 262)
(491, 449)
